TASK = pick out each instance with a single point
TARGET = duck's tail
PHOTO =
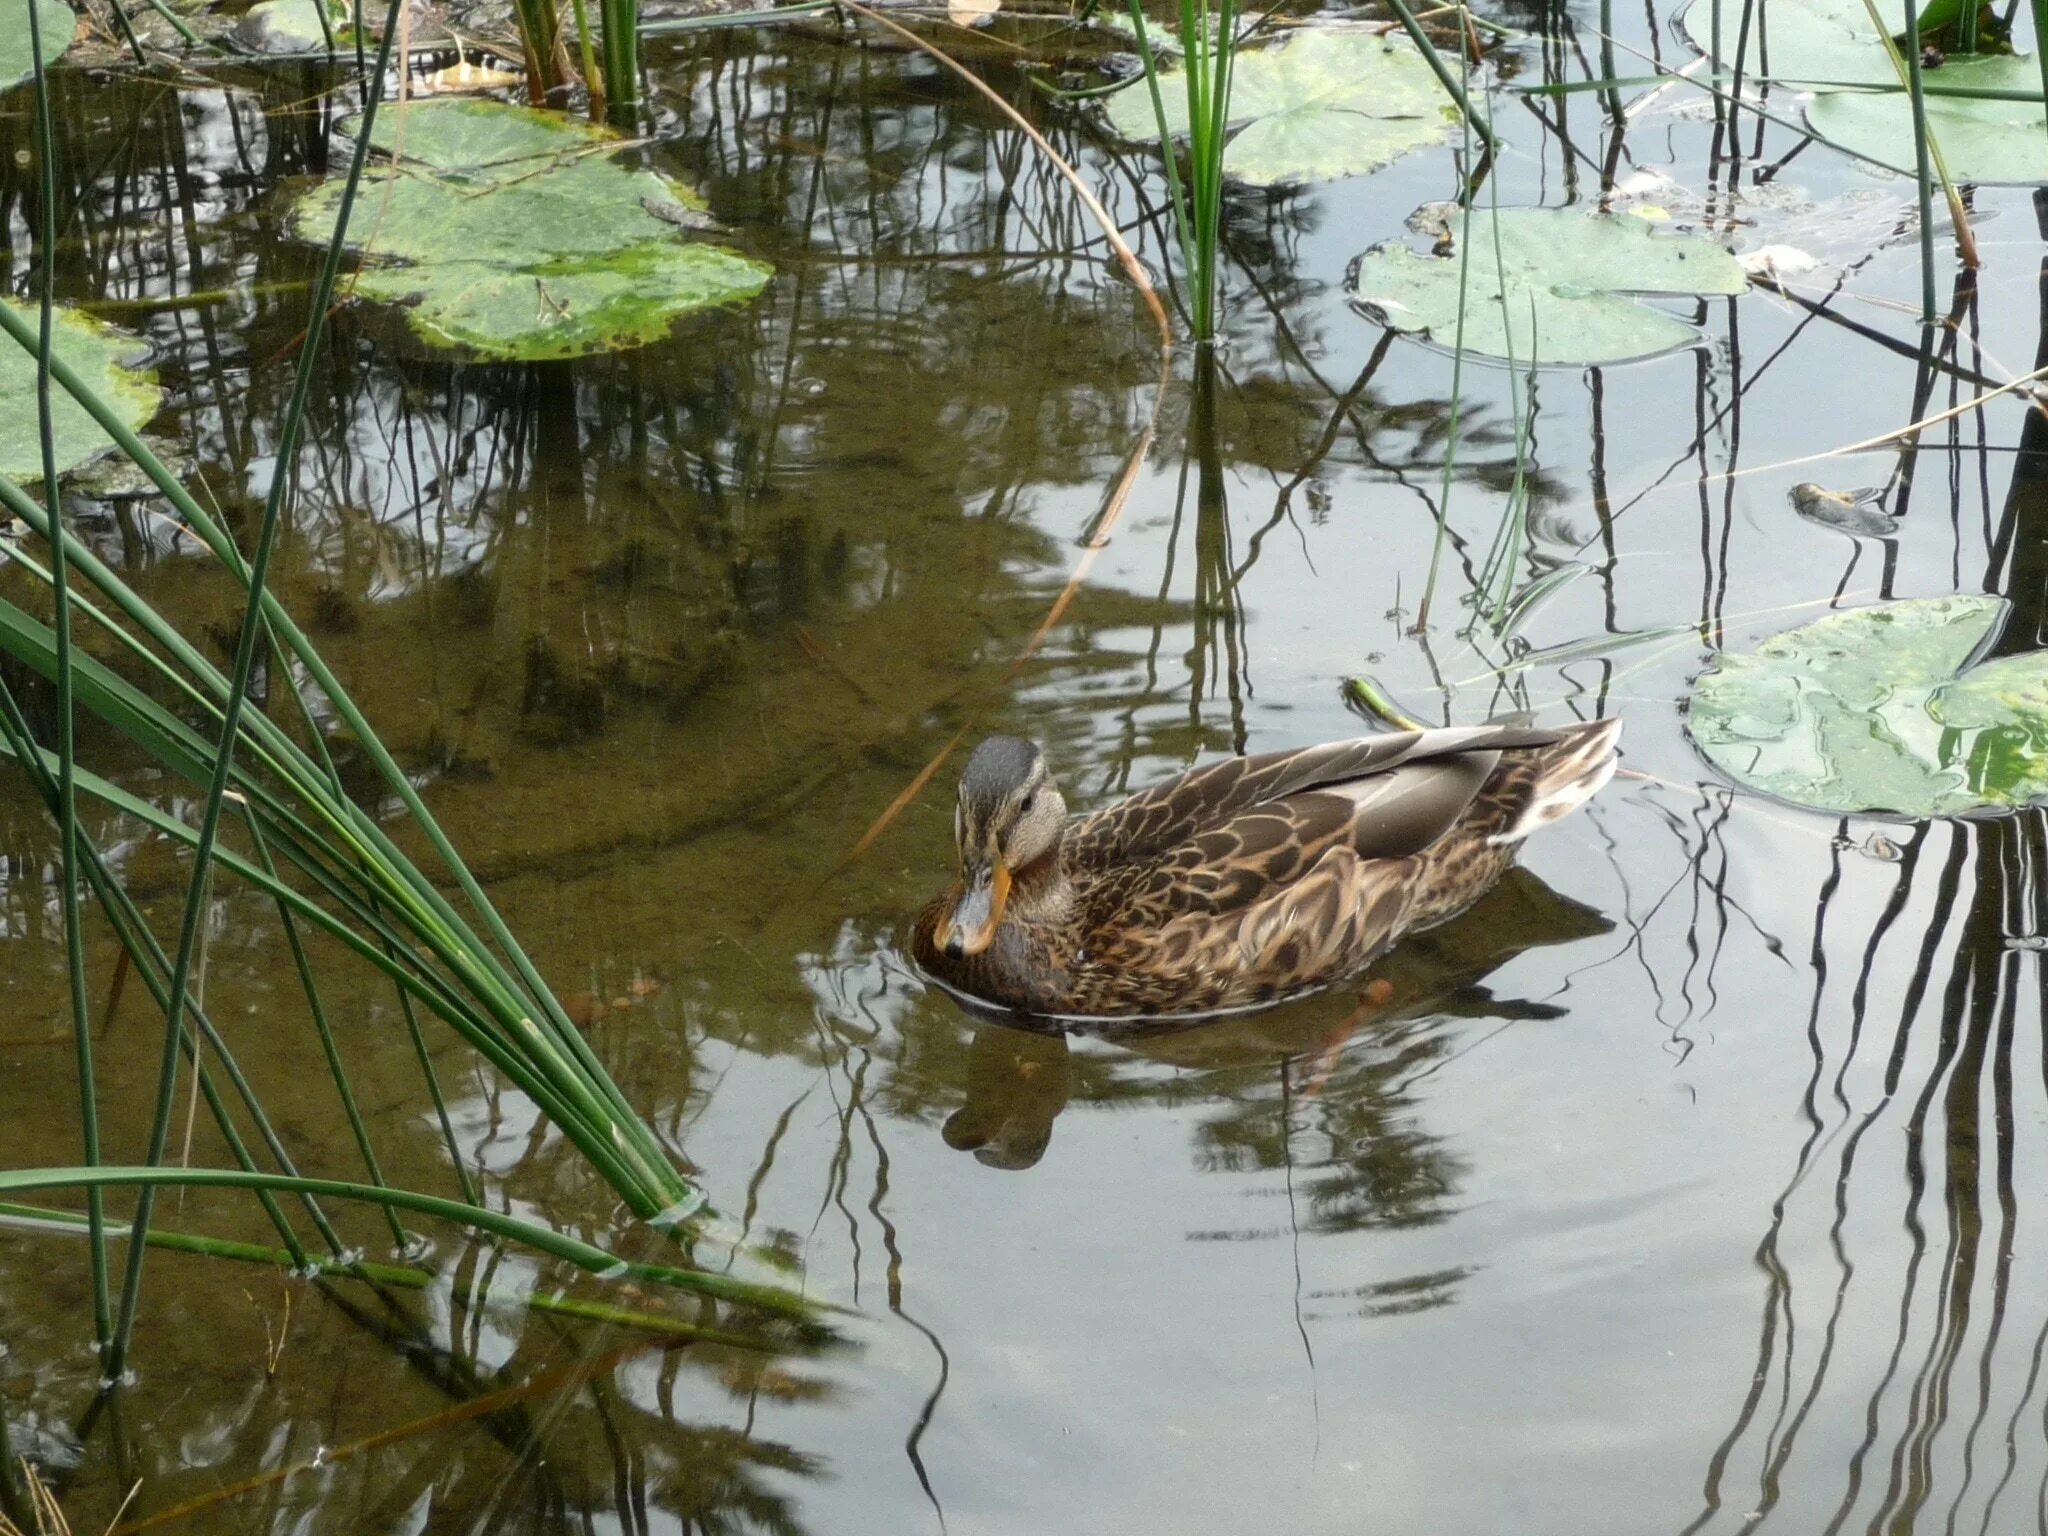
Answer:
(1566, 775)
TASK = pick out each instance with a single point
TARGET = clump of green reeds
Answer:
(1207, 40)
(608, 53)
(273, 814)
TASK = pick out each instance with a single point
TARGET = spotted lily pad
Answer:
(17, 58)
(99, 353)
(1328, 103)
(1881, 709)
(1547, 285)
(1823, 45)
(516, 234)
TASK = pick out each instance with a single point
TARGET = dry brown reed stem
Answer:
(1113, 509)
(1885, 439)
(1966, 239)
(1110, 232)
(1097, 541)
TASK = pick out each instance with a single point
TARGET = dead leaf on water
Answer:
(462, 78)
(583, 1008)
(972, 13)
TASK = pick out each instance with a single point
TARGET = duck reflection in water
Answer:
(1017, 1084)
(1020, 1073)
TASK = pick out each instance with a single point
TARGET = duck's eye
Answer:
(1029, 801)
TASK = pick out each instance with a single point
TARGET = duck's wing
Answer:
(1390, 794)
(1341, 912)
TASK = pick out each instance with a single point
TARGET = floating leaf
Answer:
(1331, 102)
(1986, 142)
(1859, 513)
(1819, 44)
(17, 58)
(97, 352)
(462, 78)
(1880, 709)
(291, 26)
(1810, 40)
(972, 13)
(1556, 285)
(522, 238)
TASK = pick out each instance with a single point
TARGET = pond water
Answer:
(1691, 1182)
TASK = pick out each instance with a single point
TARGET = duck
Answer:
(1244, 882)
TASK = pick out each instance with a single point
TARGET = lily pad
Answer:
(1331, 102)
(1986, 142)
(1552, 292)
(1880, 709)
(1822, 44)
(98, 353)
(17, 59)
(291, 26)
(517, 235)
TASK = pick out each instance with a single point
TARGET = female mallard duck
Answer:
(1241, 882)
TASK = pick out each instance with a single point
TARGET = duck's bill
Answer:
(972, 927)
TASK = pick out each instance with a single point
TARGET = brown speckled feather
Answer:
(1256, 877)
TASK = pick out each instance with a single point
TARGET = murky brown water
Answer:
(1688, 1184)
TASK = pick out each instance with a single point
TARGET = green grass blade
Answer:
(585, 1256)
(238, 692)
(330, 1051)
(34, 1218)
(67, 742)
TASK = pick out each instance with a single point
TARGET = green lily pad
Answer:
(292, 26)
(1880, 709)
(520, 237)
(1809, 40)
(1328, 103)
(1986, 142)
(17, 59)
(97, 352)
(1553, 292)
(1820, 45)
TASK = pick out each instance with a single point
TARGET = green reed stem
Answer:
(131, 932)
(621, 19)
(593, 77)
(1909, 77)
(1177, 194)
(1443, 505)
(398, 1276)
(238, 690)
(616, 1136)
(328, 1048)
(67, 740)
(1452, 81)
(540, 32)
(585, 1256)
(1922, 165)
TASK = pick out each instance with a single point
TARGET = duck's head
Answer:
(1008, 816)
